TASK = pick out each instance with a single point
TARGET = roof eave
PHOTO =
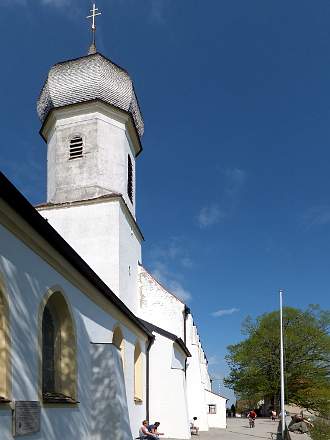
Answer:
(131, 127)
(168, 335)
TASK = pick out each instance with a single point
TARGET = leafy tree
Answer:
(255, 362)
(244, 406)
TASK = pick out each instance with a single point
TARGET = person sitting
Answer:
(154, 429)
(144, 433)
(193, 428)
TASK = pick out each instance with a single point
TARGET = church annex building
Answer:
(91, 343)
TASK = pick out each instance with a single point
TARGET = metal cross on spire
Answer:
(94, 13)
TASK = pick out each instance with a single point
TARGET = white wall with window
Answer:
(216, 409)
(88, 152)
(55, 316)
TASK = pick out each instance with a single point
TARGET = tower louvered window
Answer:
(76, 147)
(130, 179)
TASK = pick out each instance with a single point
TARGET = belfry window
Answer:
(76, 147)
(58, 352)
(130, 178)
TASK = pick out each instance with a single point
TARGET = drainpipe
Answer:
(186, 312)
(150, 342)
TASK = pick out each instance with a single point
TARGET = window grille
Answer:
(76, 147)
(130, 178)
(212, 409)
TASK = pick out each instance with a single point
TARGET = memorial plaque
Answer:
(26, 417)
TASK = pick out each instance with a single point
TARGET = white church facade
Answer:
(91, 343)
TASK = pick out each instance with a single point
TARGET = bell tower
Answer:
(93, 126)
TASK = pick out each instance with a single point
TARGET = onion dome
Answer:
(88, 78)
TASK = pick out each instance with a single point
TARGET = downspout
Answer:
(150, 342)
(186, 312)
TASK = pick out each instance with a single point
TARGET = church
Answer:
(91, 344)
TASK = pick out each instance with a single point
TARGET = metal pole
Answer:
(282, 368)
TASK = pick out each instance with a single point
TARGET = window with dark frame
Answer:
(212, 409)
(58, 382)
(48, 351)
(76, 147)
(130, 178)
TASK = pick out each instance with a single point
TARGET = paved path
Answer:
(238, 429)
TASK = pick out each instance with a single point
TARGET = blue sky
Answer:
(234, 180)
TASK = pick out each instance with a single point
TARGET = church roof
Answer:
(216, 394)
(89, 78)
(166, 334)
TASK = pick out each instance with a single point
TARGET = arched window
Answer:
(49, 352)
(4, 350)
(76, 147)
(58, 352)
(130, 178)
(138, 374)
(118, 341)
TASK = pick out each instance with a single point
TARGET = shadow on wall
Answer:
(110, 419)
(24, 334)
(102, 413)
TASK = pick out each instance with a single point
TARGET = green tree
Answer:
(255, 362)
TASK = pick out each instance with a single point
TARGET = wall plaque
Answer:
(26, 418)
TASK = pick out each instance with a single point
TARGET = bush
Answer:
(321, 430)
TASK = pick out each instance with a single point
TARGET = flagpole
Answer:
(282, 367)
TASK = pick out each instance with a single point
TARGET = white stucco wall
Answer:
(27, 277)
(159, 306)
(93, 232)
(163, 309)
(102, 233)
(204, 371)
(129, 259)
(195, 385)
(217, 420)
(168, 403)
(103, 167)
(108, 394)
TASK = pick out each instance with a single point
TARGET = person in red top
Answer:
(252, 416)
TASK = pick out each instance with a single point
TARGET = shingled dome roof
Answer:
(85, 79)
